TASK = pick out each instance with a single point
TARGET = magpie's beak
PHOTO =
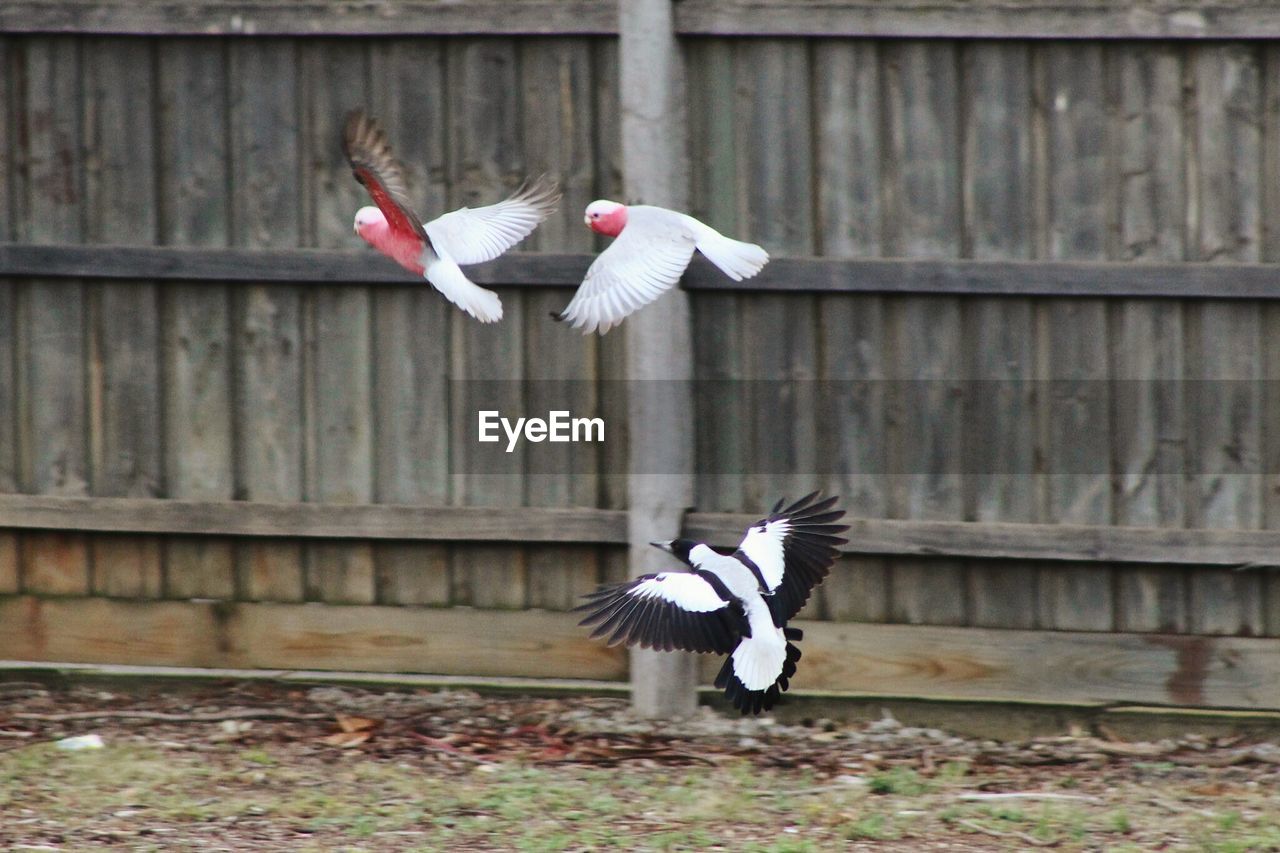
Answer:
(664, 546)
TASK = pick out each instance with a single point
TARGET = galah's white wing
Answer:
(647, 258)
(793, 549)
(473, 236)
(666, 611)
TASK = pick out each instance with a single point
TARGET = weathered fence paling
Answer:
(210, 391)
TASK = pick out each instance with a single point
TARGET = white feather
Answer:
(447, 278)
(758, 659)
(473, 236)
(763, 544)
(683, 589)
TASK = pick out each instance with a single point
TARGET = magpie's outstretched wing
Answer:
(794, 549)
(666, 611)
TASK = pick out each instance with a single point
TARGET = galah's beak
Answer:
(662, 546)
(586, 220)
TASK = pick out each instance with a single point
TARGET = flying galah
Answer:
(731, 604)
(436, 250)
(653, 248)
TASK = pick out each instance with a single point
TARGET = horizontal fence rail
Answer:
(782, 275)
(1063, 667)
(868, 536)
(1109, 19)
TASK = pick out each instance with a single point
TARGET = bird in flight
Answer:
(737, 604)
(653, 247)
(439, 249)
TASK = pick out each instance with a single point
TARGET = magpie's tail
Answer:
(754, 701)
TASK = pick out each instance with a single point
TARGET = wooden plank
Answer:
(1148, 406)
(124, 364)
(715, 195)
(1224, 340)
(54, 423)
(314, 520)
(779, 361)
(1039, 666)
(529, 270)
(1270, 250)
(988, 19)
(10, 473)
(338, 439)
(999, 402)
(486, 160)
(1243, 19)
(1053, 542)
(612, 348)
(1041, 542)
(265, 159)
(304, 636)
(851, 337)
(196, 318)
(312, 18)
(1072, 334)
(411, 340)
(561, 372)
(921, 219)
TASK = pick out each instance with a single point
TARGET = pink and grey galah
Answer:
(439, 249)
(653, 247)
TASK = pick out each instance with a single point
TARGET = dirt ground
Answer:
(262, 766)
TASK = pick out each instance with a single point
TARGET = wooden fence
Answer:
(228, 436)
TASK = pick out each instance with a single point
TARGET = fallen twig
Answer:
(1010, 833)
(980, 796)
(160, 716)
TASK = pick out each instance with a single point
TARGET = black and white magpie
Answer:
(736, 604)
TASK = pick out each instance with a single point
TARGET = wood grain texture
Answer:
(715, 192)
(1072, 362)
(528, 271)
(10, 468)
(53, 315)
(999, 351)
(411, 332)
(338, 440)
(1224, 341)
(196, 325)
(124, 365)
(312, 17)
(1147, 354)
(922, 219)
(1057, 666)
(1051, 542)
(964, 19)
(561, 369)
(304, 636)
(267, 324)
(487, 361)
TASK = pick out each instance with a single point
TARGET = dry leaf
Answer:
(357, 724)
(346, 740)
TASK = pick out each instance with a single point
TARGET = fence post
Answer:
(658, 339)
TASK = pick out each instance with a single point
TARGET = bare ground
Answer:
(252, 765)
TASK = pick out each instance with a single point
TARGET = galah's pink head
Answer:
(606, 217)
(368, 220)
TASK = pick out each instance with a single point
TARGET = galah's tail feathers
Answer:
(736, 259)
(449, 279)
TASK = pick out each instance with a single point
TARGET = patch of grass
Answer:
(873, 827)
(897, 780)
(1119, 822)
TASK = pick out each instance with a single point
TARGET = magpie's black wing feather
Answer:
(794, 548)
(664, 611)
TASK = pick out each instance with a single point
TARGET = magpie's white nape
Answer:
(735, 604)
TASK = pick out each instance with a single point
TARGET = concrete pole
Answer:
(658, 338)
